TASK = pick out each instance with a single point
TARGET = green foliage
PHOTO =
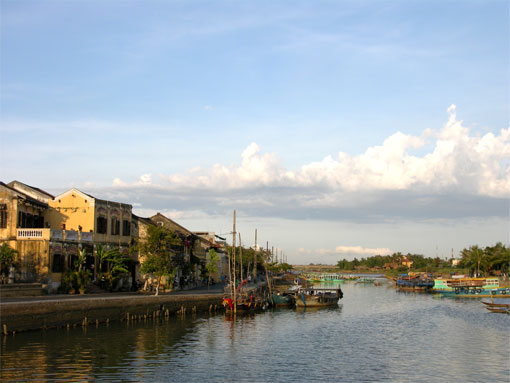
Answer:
(491, 260)
(113, 265)
(7, 257)
(475, 260)
(158, 252)
(77, 278)
(212, 264)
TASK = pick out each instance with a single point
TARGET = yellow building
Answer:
(23, 227)
(48, 231)
(83, 221)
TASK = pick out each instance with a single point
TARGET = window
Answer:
(102, 224)
(115, 226)
(3, 216)
(58, 263)
(126, 228)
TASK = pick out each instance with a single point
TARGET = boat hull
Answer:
(502, 292)
(279, 300)
(317, 300)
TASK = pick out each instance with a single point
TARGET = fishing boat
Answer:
(243, 304)
(283, 299)
(408, 282)
(318, 297)
(470, 288)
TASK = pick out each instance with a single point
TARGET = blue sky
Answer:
(197, 108)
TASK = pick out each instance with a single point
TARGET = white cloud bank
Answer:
(347, 250)
(458, 163)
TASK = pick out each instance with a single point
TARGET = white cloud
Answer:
(461, 175)
(346, 250)
(208, 108)
(358, 250)
(458, 162)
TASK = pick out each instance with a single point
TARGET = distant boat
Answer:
(365, 280)
(318, 297)
(414, 282)
(470, 288)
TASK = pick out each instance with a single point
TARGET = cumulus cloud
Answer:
(461, 175)
(458, 161)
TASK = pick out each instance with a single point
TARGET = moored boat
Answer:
(282, 299)
(470, 287)
(317, 297)
(408, 282)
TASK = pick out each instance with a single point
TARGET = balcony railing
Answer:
(54, 235)
(31, 234)
(64, 236)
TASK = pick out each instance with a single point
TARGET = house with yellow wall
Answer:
(86, 222)
(24, 228)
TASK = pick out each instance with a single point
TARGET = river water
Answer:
(376, 334)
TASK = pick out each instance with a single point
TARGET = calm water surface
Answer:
(375, 335)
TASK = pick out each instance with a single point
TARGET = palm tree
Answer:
(498, 257)
(475, 259)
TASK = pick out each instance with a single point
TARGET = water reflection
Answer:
(375, 334)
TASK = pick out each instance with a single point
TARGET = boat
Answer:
(410, 282)
(499, 307)
(243, 304)
(318, 297)
(283, 299)
(470, 287)
(365, 280)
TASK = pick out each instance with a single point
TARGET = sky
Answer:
(337, 129)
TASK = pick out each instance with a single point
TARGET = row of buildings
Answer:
(47, 232)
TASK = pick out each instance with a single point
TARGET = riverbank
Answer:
(35, 313)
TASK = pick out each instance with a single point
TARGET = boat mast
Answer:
(234, 262)
(255, 258)
(241, 256)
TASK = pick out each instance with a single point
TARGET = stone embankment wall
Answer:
(42, 314)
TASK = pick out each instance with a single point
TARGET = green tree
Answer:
(7, 258)
(212, 265)
(475, 259)
(498, 258)
(113, 265)
(158, 254)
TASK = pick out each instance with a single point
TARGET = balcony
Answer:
(32, 234)
(54, 235)
(72, 236)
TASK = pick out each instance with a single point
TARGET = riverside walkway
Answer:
(63, 310)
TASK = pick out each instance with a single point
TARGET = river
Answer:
(376, 334)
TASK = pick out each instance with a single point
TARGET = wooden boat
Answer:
(243, 305)
(500, 307)
(318, 297)
(502, 310)
(283, 299)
